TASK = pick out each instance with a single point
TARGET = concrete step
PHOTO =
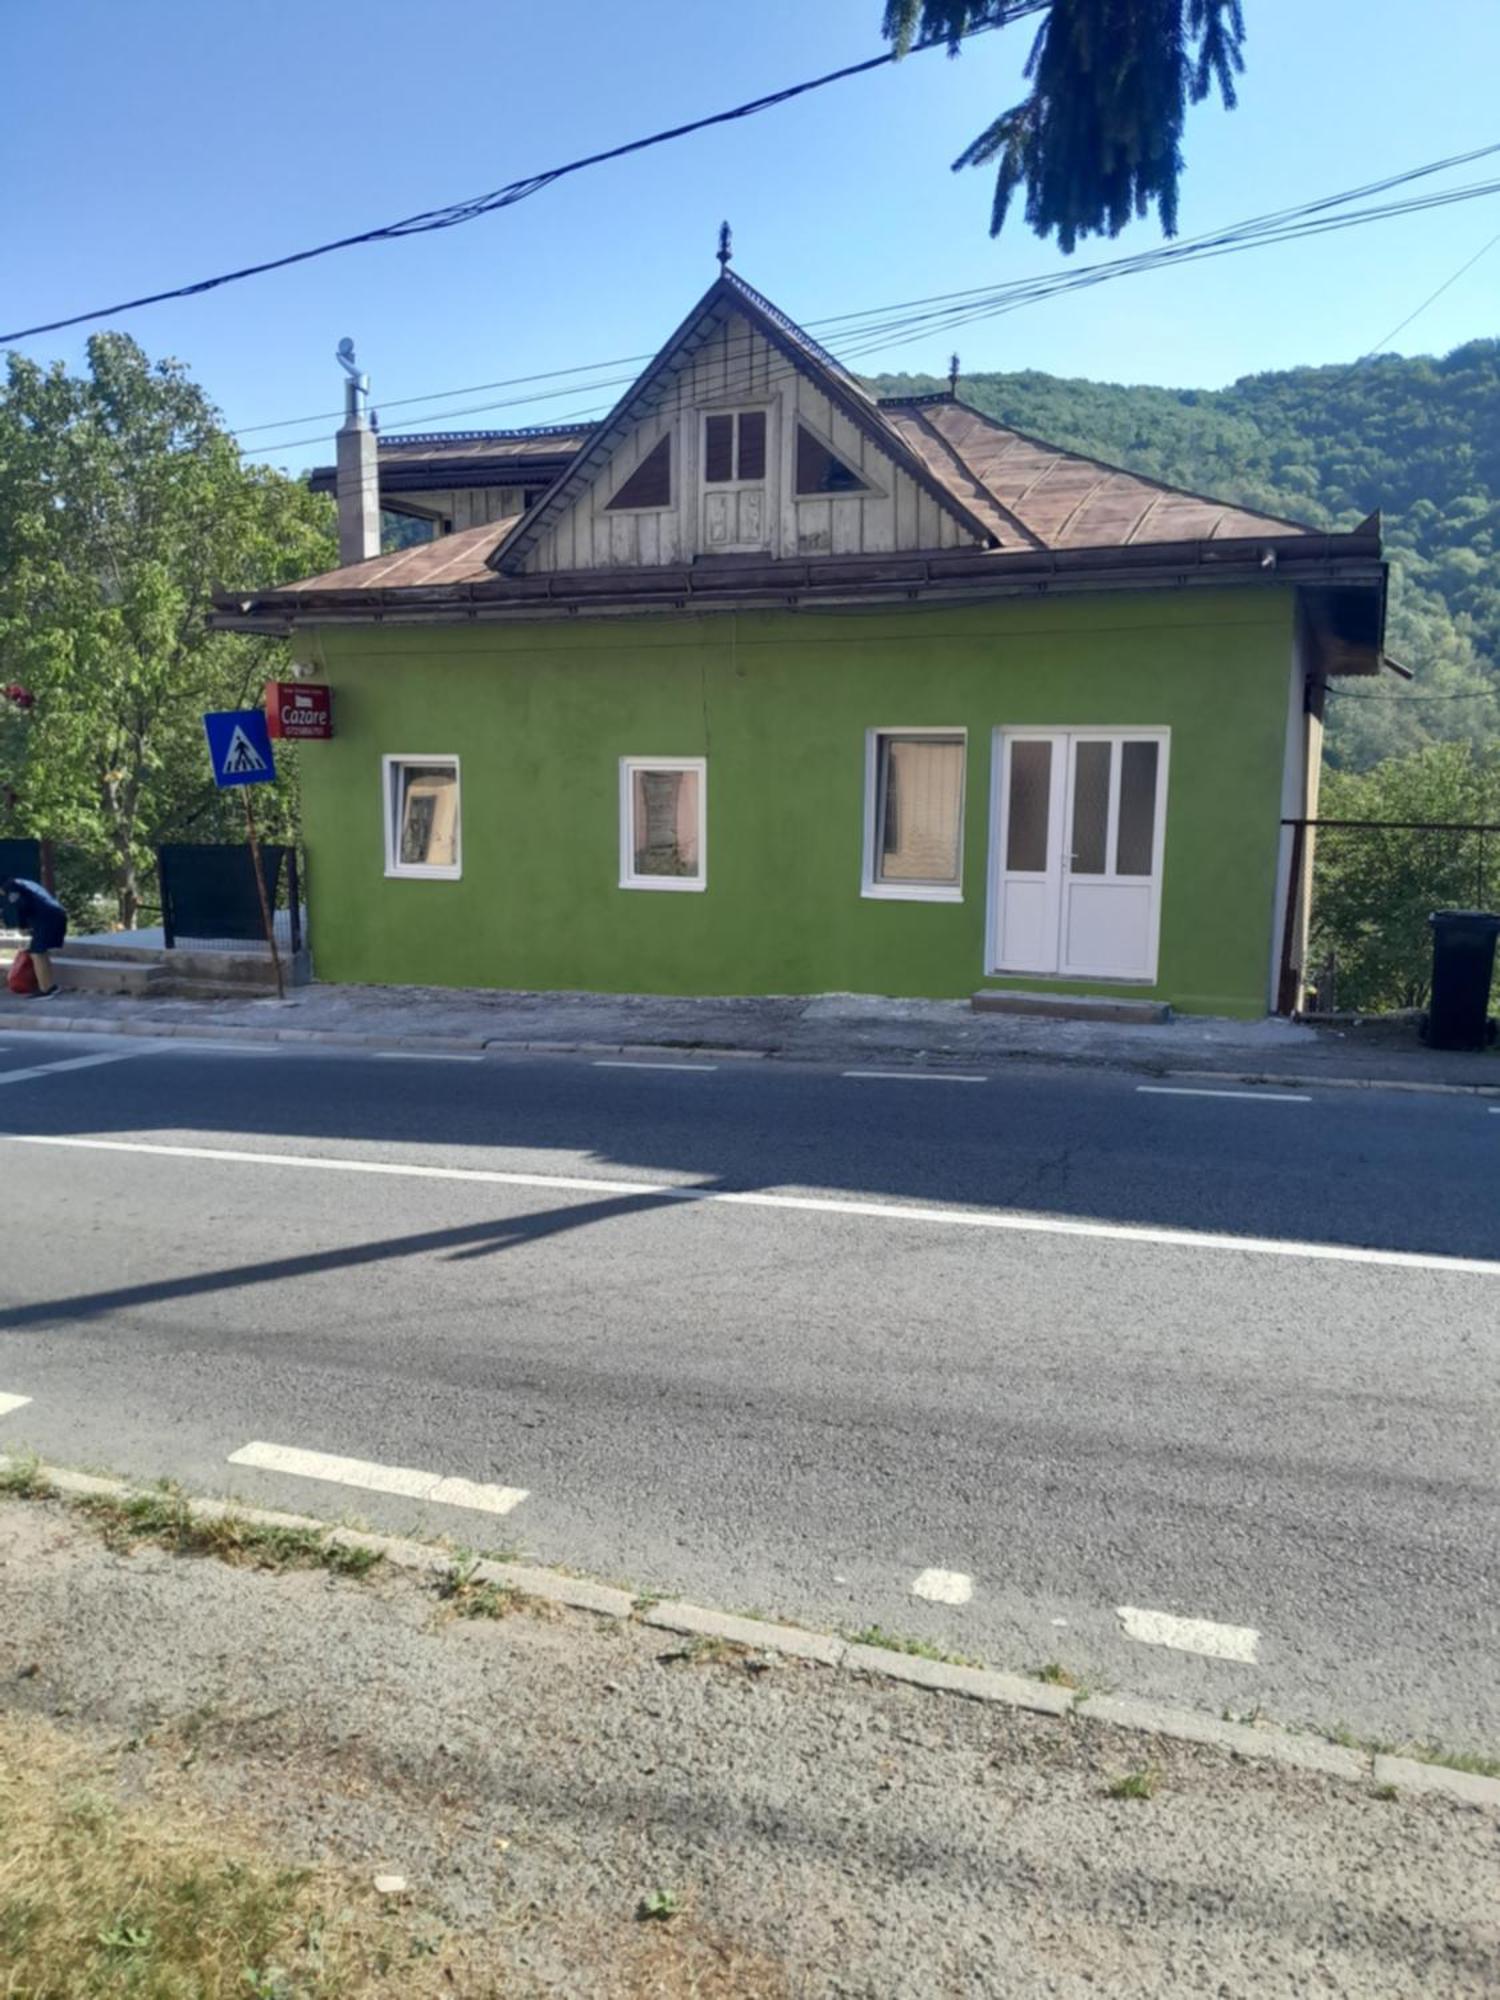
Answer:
(237, 968)
(1070, 1006)
(128, 954)
(175, 988)
(107, 973)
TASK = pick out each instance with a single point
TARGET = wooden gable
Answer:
(725, 364)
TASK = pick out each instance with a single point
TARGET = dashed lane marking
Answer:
(943, 1586)
(1249, 1096)
(73, 1062)
(911, 1076)
(423, 1055)
(9, 1403)
(623, 1062)
(1191, 1635)
(403, 1480)
(1001, 1221)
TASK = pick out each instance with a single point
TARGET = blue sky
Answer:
(148, 145)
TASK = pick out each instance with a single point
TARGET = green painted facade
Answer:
(779, 703)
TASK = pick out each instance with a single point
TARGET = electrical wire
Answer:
(1484, 694)
(900, 328)
(455, 213)
(874, 318)
(1430, 299)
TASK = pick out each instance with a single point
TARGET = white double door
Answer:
(1078, 852)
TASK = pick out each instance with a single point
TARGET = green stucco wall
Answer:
(779, 703)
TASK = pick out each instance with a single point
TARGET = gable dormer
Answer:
(741, 438)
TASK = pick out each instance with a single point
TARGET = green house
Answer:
(763, 686)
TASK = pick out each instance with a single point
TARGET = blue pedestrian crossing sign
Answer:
(239, 747)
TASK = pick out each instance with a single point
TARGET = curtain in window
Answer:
(664, 822)
(922, 783)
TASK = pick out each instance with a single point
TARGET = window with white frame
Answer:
(663, 822)
(914, 814)
(422, 818)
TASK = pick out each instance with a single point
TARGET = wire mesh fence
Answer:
(1375, 883)
(210, 900)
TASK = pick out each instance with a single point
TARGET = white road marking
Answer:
(9, 1403)
(943, 1586)
(603, 1062)
(1251, 1096)
(187, 1048)
(999, 1220)
(403, 1480)
(73, 1062)
(1495, 1111)
(1191, 1635)
(912, 1076)
(422, 1055)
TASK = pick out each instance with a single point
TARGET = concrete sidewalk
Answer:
(828, 1028)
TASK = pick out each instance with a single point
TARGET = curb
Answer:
(1270, 1744)
(342, 1038)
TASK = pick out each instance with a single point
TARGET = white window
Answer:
(663, 823)
(422, 818)
(914, 814)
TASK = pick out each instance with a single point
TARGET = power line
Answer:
(1430, 299)
(883, 329)
(1293, 219)
(454, 213)
(1348, 694)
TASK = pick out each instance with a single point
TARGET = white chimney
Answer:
(358, 482)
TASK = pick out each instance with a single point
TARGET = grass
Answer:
(660, 1905)
(167, 1520)
(1139, 1784)
(700, 1650)
(1475, 1761)
(467, 1595)
(463, 1593)
(99, 1900)
(1057, 1675)
(21, 1477)
(1452, 1760)
(897, 1642)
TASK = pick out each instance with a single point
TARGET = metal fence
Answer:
(1374, 883)
(209, 899)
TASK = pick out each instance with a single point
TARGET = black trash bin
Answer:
(1463, 963)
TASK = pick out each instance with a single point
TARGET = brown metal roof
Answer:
(1056, 499)
(460, 558)
(518, 446)
(439, 459)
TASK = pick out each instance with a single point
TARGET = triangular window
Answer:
(650, 485)
(819, 471)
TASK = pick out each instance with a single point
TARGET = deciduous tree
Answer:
(123, 505)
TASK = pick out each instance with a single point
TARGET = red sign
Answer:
(299, 710)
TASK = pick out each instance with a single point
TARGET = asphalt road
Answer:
(787, 1339)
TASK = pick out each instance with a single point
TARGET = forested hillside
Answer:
(1419, 439)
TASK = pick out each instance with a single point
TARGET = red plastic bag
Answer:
(22, 975)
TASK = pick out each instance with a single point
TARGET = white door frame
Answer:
(1063, 786)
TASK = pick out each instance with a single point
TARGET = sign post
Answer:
(239, 749)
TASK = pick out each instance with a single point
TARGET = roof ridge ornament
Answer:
(726, 246)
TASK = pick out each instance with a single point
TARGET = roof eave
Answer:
(1342, 563)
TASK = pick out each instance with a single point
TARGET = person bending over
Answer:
(27, 906)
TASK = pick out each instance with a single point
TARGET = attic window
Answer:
(819, 471)
(734, 447)
(650, 485)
